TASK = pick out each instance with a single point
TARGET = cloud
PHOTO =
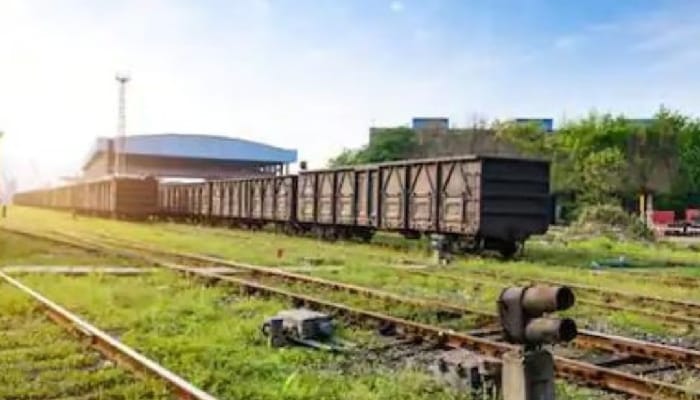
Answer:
(670, 37)
(300, 74)
(568, 42)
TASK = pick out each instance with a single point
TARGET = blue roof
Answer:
(210, 147)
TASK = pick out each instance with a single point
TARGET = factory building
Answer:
(171, 155)
(436, 137)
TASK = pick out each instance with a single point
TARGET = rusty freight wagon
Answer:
(254, 201)
(250, 202)
(472, 202)
(128, 197)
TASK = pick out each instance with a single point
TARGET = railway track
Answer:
(677, 307)
(682, 281)
(91, 372)
(587, 339)
(677, 317)
(671, 311)
(625, 352)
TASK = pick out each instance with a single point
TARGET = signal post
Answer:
(528, 372)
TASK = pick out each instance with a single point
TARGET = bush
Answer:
(610, 220)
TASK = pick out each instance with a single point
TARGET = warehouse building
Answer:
(171, 155)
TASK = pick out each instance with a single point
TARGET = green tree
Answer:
(602, 175)
(689, 155)
(389, 144)
(659, 155)
(347, 157)
(530, 138)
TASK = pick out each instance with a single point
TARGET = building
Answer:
(436, 138)
(171, 155)
(545, 124)
(435, 124)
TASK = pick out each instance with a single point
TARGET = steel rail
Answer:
(585, 339)
(668, 317)
(672, 318)
(110, 347)
(577, 371)
(573, 370)
(692, 306)
(660, 276)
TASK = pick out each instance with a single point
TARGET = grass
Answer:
(212, 337)
(18, 250)
(39, 360)
(367, 264)
(208, 335)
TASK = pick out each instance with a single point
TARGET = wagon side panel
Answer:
(392, 196)
(268, 198)
(284, 198)
(459, 198)
(306, 198)
(345, 205)
(423, 196)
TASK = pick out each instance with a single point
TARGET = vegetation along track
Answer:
(626, 351)
(675, 307)
(90, 378)
(659, 309)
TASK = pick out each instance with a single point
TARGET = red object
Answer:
(663, 217)
(692, 215)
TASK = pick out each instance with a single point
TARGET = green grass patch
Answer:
(212, 337)
(367, 264)
(39, 360)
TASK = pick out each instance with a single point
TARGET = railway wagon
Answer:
(329, 202)
(243, 201)
(255, 201)
(128, 197)
(188, 201)
(473, 202)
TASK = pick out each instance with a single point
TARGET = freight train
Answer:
(116, 196)
(470, 202)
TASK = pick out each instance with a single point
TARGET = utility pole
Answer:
(120, 143)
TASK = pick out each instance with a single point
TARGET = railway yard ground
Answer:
(209, 334)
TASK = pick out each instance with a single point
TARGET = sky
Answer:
(315, 75)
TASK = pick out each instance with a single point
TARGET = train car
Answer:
(473, 202)
(476, 202)
(248, 202)
(257, 201)
(327, 203)
(126, 197)
(469, 202)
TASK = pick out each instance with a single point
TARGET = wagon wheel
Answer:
(508, 249)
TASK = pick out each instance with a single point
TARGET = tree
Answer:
(602, 175)
(661, 154)
(347, 157)
(530, 138)
(689, 149)
(389, 144)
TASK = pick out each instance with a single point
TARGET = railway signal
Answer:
(528, 372)
(522, 312)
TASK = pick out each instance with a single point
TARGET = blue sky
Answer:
(314, 75)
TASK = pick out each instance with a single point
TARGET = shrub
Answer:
(610, 220)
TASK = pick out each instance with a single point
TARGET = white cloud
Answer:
(246, 70)
(396, 6)
(568, 42)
